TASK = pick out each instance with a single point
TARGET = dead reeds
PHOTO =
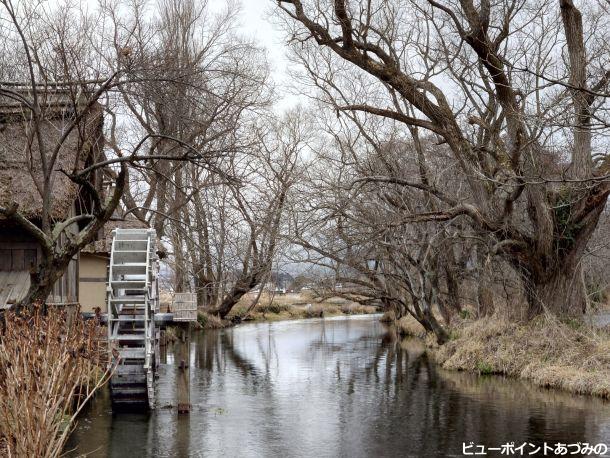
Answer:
(547, 351)
(51, 364)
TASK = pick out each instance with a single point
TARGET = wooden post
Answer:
(183, 386)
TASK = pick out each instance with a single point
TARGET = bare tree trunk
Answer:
(431, 324)
(453, 289)
(565, 293)
(237, 292)
(554, 282)
(203, 287)
(485, 298)
(42, 282)
(180, 265)
(561, 293)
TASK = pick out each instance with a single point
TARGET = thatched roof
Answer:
(20, 162)
(104, 243)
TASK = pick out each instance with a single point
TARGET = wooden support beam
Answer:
(183, 386)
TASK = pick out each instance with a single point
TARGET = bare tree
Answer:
(232, 229)
(516, 90)
(203, 81)
(58, 76)
(353, 222)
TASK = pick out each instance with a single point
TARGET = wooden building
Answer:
(19, 172)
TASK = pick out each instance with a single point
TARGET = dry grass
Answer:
(207, 321)
(170, 334)
(294, 306)
(50, 366)
(406, 326)
(545, 351)
(409, 326)
(357, 309)
(293, 312)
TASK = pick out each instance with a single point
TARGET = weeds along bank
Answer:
(51, 364)
(282, 307)
(551, 353)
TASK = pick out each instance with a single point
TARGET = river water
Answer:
(338, 387)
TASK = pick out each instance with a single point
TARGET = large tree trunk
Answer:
(562, 293)
(180, 268)
(453, 289)
(205, 288)
(42, 280)
(553, 280)
(242, 287)
(485, 296)
(431, 324)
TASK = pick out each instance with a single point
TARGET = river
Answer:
(338, 387)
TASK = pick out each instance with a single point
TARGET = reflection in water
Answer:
(341, 387)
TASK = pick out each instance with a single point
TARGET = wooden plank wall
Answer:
(19, 252)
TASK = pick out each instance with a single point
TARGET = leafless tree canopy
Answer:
(454, 153)
(512, 96)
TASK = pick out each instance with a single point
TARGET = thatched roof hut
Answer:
(21, 179)
(20, 161)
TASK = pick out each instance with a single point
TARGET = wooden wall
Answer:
(18, 252)
(93, 276)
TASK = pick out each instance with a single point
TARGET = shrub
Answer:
(202, 319)
(207, 321)
(465, 314)
(171, 335)
(314, 311)
(597, 294)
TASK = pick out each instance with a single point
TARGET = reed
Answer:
(51, 364)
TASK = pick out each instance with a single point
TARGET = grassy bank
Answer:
(285, 307)
(567, 355)
(277, 312)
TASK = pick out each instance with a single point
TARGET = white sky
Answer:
(255, 23)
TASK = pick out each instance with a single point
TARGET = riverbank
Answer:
(550, 353)
(291, 306)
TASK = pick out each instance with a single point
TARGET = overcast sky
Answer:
(256, 24)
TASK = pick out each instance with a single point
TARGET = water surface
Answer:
(339, 387)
